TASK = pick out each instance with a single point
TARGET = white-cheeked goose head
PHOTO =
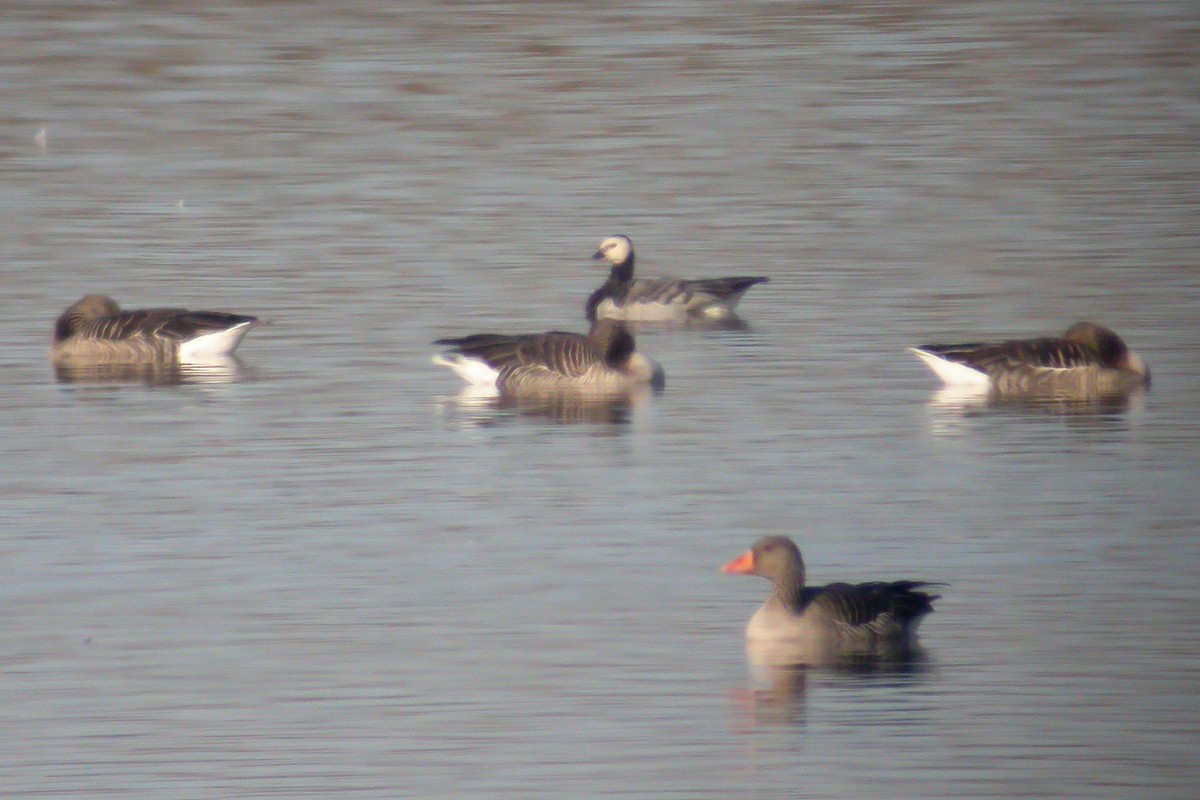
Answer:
(615, 250)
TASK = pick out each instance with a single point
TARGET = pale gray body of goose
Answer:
(660, 299)
(1088, 359)
(822, 625)
(602, 362)
(95, 329)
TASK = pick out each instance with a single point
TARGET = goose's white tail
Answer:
(214, 345)
(472, 370)
(953, 373)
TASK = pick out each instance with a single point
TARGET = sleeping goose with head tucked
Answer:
(660, 299)
(604, 361)
(96, 330)
(822, 625)
(1087, 360)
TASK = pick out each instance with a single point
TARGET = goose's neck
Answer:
(619, 279)
(67, 324)
(789, 589)
(621, 273)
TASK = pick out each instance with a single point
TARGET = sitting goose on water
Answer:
(603, 361)
(821, 625)
(1088, 359)
(660, 299)
(95, 329)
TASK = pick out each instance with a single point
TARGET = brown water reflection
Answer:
(486, 406)
(966, 400)
(776, 695)
(216, 371)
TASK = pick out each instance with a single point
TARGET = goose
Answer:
(95, 329)
(660, 299)
(1088, 359)
(603, 361)
(817, 625)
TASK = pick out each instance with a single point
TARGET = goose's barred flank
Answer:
(660, 299)
(605, 360)
(95, 329)
(1087, 360)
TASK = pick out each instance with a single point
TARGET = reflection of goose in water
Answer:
(485, 406)
(826, 625)
(660, 299)
(602, 362)
(966, 401)
(574, 408)
(1087, 360)
(96, 330)
(775, 694)
(214, 371)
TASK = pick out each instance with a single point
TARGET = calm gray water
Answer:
(317, 575)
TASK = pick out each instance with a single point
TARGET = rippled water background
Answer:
(318, 576)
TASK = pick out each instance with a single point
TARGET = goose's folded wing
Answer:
(1049, 353)
(659, 291)
(678, 291)
(176, 324)
(559, 351)
(568, 354)
(722, 288)
(864, 606)
(494, 349)
(186, 325)
(130, 324)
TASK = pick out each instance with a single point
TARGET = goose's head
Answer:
(90, 307)
(94, 306)
(620, 353)
(1109, 346)
(615, 250)
(774, 557)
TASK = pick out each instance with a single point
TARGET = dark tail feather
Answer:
(741, 284)
(217, 320)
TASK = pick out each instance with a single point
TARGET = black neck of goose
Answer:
(619, 278)
(619, 347)
(65, 327)
(594, 300)
(621, 273)
(1113, 351)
